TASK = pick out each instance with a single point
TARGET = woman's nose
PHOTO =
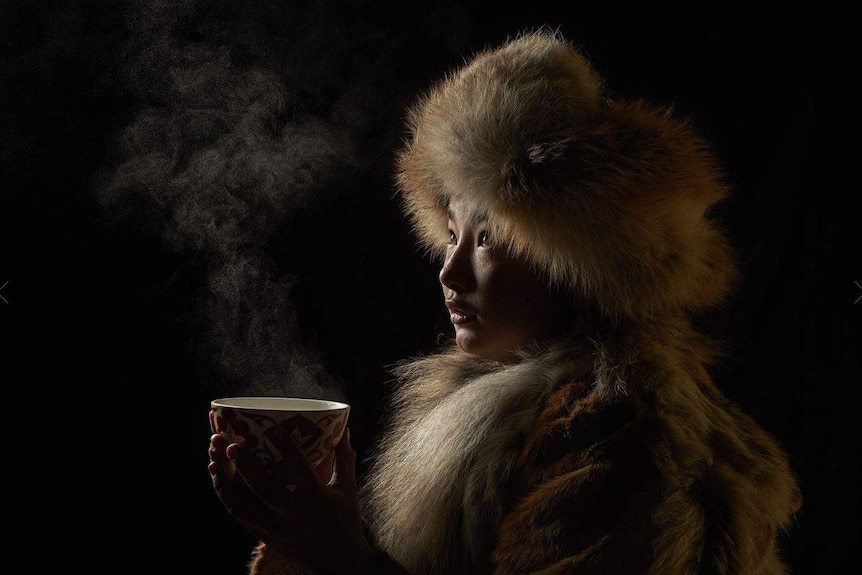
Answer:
(457, 272)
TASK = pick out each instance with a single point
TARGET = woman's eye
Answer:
(484, 237)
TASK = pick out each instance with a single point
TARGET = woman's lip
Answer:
(459, 317)
(458, 307)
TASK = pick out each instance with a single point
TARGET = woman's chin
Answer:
(469, 341)
(474, 344)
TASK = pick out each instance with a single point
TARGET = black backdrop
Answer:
(196, 201)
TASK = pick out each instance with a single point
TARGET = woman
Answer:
(573, 426)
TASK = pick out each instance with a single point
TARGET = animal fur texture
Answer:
(448, 460)
(620, 458)
(609, 197)
(612, 452)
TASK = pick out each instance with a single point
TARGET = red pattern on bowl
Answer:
(316, 431)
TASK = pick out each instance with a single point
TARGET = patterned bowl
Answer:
(316, 424)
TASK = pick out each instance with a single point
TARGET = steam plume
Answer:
(218, 157)
(244, 116)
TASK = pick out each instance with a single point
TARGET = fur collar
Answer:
(435, 493)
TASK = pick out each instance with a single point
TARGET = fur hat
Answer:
(608, 198)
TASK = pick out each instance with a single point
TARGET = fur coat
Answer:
(607, 451)
(587, 457)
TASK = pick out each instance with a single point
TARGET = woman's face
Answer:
(497, 303)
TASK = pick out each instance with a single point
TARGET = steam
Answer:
(219, 158)
(244, 116)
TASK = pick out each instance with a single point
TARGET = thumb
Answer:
(345, 465)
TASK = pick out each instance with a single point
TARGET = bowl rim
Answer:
(249, 402)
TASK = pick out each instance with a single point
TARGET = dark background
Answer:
(161, 245)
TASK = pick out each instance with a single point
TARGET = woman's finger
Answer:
(325, 470)
(234, 495)
(221, 468)
(302, 471)
(231, 490)
(345, 465)
(270, 490)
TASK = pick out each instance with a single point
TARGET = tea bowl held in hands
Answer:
(316, 424)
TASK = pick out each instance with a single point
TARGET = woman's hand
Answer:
(311, 522)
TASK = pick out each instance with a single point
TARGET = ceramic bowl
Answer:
(316, 424)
